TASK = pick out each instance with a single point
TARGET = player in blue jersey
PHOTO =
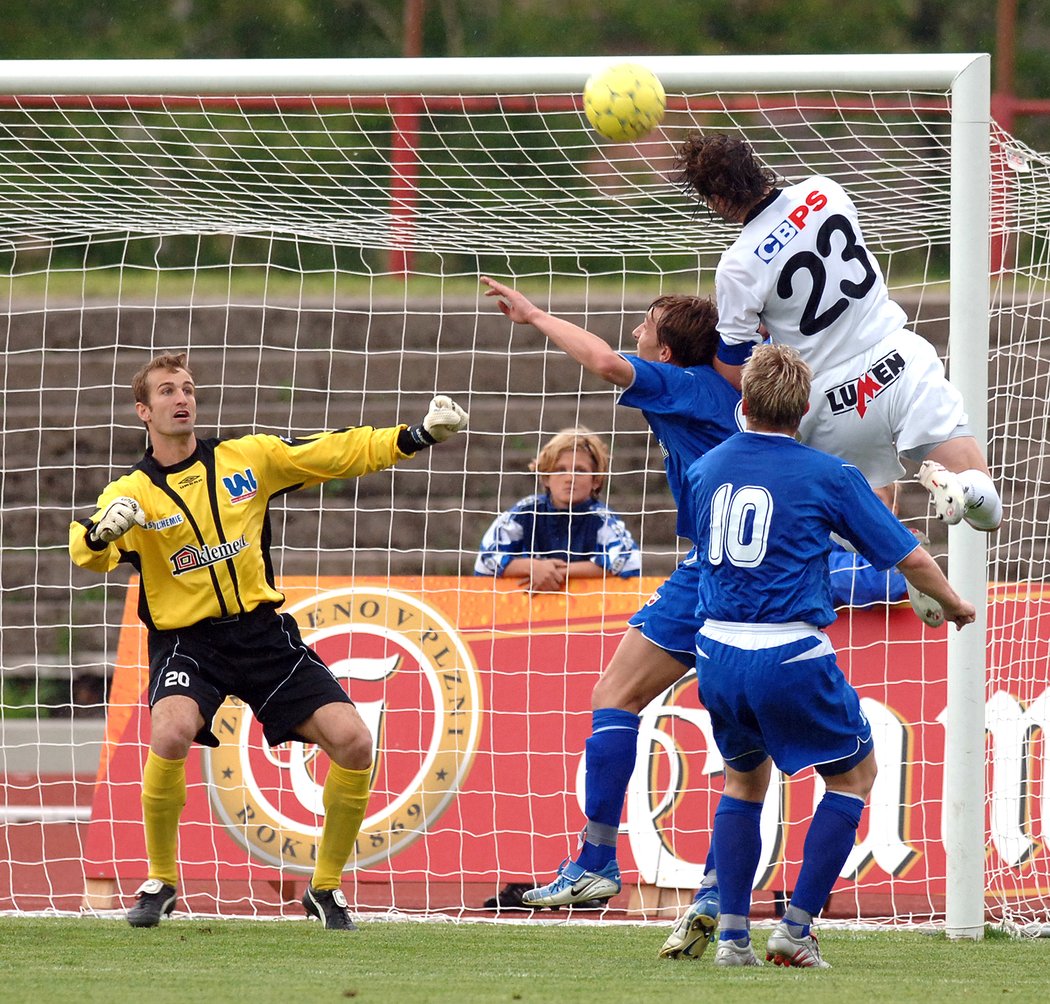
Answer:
(855, 583)
(762, 507)
(565, 531)
(690, 409)
(800, 269)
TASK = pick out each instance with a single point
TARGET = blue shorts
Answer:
(669, 619)
(788, 701)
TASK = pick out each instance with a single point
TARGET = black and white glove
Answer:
(117, 518)
(444, 419)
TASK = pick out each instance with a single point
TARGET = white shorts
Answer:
(889, 399)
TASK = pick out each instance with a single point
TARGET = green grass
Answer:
(412, 963)
(139, 286)
(143, 287)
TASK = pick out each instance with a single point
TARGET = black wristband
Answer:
(413, 439)
(95, 543)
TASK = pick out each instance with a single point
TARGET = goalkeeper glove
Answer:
(117, 518)
(444, 419)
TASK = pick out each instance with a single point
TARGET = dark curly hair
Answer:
(688, 326)
(722, 167)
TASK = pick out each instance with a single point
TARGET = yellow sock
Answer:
(345, 802)
(163, 796)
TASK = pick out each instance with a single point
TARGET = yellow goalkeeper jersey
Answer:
(205, 549)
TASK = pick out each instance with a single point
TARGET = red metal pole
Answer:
(404, 156)
(1004, 100)
(404, 167)
(1004, 104)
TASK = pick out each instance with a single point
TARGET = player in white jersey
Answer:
(763, 507)
(800, 269)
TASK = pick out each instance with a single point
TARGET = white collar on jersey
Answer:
(761, 432)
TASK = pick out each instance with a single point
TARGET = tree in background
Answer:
(374, 28)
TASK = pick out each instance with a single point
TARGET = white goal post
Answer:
(147, 175)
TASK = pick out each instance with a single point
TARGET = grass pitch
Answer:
(51, 959)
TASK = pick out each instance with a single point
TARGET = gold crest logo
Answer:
(417, 688)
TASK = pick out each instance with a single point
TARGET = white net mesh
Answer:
(268, 238)
(1017, 874)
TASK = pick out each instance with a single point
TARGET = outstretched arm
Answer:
(925, 574)
(594, 354)
(443, 420)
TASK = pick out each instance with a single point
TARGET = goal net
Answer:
(315, 247)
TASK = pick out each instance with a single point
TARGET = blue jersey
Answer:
(854, 583)
(690, 410)
(535, 528)
(762, 507)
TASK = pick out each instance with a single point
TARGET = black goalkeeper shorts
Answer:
(259, 657)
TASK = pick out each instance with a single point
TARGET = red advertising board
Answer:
(478, 697)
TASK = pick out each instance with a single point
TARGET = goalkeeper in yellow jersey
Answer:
(192, 517)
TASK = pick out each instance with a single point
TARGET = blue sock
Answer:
(709, 883)
(741, 935)
(710, 879)
(736, 829)
(609, 755)
(829, 840)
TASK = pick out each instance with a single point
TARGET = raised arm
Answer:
(728, 372)
(594, 354)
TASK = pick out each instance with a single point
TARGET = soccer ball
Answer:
(624, 102)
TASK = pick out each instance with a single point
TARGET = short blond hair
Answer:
(168, 361)
(575, 438)
(775, 385)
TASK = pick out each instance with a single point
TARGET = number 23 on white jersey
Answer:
(801, 269)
